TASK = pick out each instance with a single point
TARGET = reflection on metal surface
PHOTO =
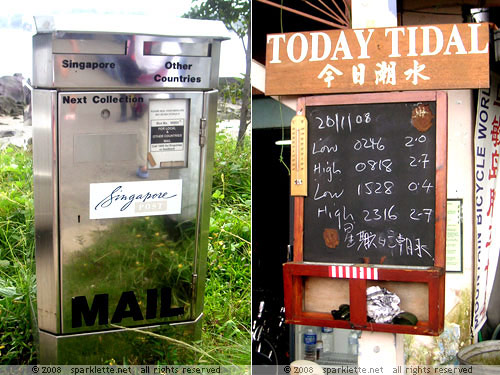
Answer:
(129, 272)
(45, 191)
(106, 46)
(103, 148)
(123, 24)
(132, 273)
(103, 259)
(177, 48)
(74, 60)
(123, 176)
(139, 347)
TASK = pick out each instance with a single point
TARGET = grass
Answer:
(227, 299)
(226, 327)
(17, 264)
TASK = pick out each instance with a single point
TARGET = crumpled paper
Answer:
(382, 306)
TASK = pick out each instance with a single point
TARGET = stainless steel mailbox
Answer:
(123, 129)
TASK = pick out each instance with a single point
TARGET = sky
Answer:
(16, 41)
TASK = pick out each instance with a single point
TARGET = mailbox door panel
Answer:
(129, 176)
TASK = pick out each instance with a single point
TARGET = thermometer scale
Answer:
(299, 156)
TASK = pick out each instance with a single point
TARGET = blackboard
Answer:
(371, 183)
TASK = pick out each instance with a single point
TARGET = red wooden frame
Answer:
(294, 273)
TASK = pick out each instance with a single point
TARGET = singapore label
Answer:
(82, 65)
(137, 198)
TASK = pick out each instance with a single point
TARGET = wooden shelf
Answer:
(296, 275)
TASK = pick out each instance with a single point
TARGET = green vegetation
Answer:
(226, 326)
(17, 263)
(236, 17)
(226, 331)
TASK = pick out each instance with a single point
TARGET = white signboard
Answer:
(137, 198)
(168, 132)
(487, 153)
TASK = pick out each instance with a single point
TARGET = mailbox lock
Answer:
(105, 114)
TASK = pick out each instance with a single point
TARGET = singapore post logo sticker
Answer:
(137, 198)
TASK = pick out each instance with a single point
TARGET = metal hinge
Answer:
(203, 131)
(194, 282)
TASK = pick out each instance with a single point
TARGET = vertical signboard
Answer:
(486, 151)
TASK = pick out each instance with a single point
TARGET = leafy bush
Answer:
(226, 328)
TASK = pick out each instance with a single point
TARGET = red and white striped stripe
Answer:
(349, 272)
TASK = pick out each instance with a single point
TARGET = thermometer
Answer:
(299, 156)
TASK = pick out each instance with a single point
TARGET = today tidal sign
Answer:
(385, 59)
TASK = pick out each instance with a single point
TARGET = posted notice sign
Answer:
(453, 56)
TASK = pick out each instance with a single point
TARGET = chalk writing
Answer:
(374, 165)
(327, 194)
(376, 214)
(411, 141)
(369, 144)
(370, 187)
(395, 244)
(372, 179)
(326, 168)
(419, 161)
(318, 149)
(341, 122)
